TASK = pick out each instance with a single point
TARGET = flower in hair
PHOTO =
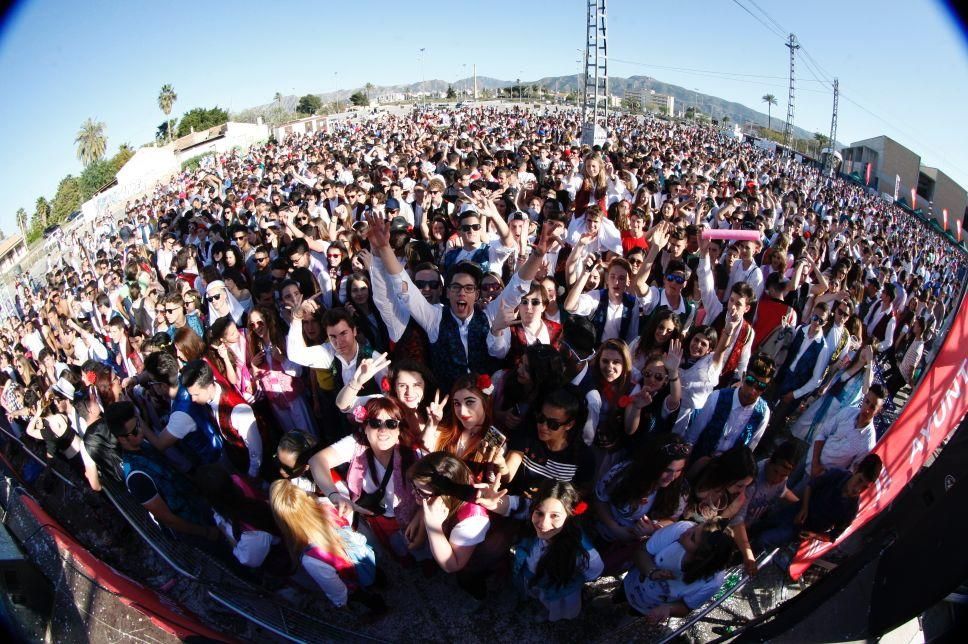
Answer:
(90, 378)
(624, 401)
(385, 385)
(360, 414)
(580, 508)
(484, 384)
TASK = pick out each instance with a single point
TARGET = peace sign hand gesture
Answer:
(435, 410)
(369, 368)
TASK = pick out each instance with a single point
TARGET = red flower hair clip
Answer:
(90, 378)
(484, 384)
(624, 401)
(385, 385)
(580, 508)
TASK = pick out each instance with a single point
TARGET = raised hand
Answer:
(504, 318)
(378, 231)
(435, 512)
(673, 357)
(370, 367)
(435, 410)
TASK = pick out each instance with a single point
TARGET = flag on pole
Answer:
(867, 175)
(897, 186)
(944, 217)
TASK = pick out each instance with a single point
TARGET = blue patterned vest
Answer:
(601, 313)
(481, 257)
(175, 490)
(713, 431)
(450, 361)
(792, 380)
(204, 445)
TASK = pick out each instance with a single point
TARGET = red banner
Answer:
(958, 226)
(932, 413)
(867, 175)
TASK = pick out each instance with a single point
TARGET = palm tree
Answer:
(821, 140)
(277, 98)
(91, 142)
(368, 88)
(43, 211)
(770, 101)
(725, 121)
(22, 221)
(166, 99)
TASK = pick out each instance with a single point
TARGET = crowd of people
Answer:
(460, 339)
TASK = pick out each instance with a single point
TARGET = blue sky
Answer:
(62, 62)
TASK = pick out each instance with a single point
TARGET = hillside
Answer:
(712, 105)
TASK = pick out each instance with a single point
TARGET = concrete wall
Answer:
(152, 166)
(947, 194)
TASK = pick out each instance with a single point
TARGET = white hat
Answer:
(64, 388)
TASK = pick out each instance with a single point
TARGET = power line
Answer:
(769, 17)
(727, 76)
(769, 27)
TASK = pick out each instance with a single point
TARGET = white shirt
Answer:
(713, 307)
(874, 318)
(736, 422)
(321, 356)
(609, 238)
(752, 276)
(499, 345)
(845, 444)
(819, 367)
(588, 303)
(345, 448)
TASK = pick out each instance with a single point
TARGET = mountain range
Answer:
(714, 106)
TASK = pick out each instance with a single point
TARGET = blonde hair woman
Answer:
(338, 559)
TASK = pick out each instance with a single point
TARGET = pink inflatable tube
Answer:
(733, 235)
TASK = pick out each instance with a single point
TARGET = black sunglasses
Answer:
(550, 423)
(466, 228)
(422, 284)
(214, 298)
(675, 277)
(376, 423)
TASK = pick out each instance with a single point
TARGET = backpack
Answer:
(777, 343)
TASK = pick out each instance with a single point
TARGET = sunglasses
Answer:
(294, 470)
(240, 237)
(754, 382)
(550, 423)
(532, 301)
(491, 287)
(261, 259)
(655, 375)
(133, 432)
(466, 228)
(816, 318)
(376, 423)
(172, 310)
(675, 277)
(214, 298)
(431, 284)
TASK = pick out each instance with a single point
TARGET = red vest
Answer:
(732, 360)
(235, 447)
(769, 314)
(519, 341)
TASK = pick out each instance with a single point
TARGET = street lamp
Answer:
(336, 82)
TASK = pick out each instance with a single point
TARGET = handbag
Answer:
(279, 387)
(373, 501)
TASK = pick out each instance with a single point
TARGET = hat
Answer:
(392, 204)
(517, 215)
(400, 224)
(64, 388)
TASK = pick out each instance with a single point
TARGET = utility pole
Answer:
(788, 128)
(833, 127)
(595, 91)
(475, 81)
(336, 82)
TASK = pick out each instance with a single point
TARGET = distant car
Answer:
(51, 230)
(74, 215)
